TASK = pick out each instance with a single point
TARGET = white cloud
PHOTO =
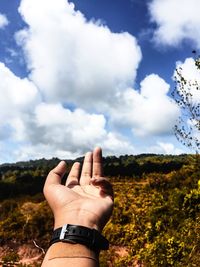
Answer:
(166, 148)
(191, 74)
(75, 131)
(111, 143)
(39, 129)
(149, 111)
(18, 98)
(70, 130)
(3, 21)
(114, 144)
(75, 60)
(188, 90)
(176, 20)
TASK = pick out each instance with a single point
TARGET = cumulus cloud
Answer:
(166, 148)
(115, 144)
(191, 74)
(69, 130)
(18, 96)
(3, 21)
(176, 20)
(75, 131)
(112, 144)
(72, 59)
(37, 129)
(52, 129)
(189, 92)
(92, 68)
(148, 111)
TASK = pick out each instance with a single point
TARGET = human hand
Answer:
(86, 199)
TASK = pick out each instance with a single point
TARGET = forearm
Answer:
(70, 255)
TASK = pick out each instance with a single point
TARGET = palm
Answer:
(85, 195)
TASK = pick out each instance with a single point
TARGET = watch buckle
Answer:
(63, 231)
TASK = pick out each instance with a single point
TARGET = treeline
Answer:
(137, 166)
(28, 177)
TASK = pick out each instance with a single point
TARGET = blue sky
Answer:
(83, 73)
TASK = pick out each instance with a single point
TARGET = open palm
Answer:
(85, 199)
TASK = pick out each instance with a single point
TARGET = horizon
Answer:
(104, 157)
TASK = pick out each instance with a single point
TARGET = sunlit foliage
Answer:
(155, 222)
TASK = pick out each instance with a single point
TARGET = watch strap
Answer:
(80, 234)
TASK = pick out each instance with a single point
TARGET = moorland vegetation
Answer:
(155, 222)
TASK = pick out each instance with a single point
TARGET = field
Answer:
(155, 222)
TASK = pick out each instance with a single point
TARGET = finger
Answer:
(73, 176)
(105, 185)
(86, 173)
(55, 175)
(97, 162)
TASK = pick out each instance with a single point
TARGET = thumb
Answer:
(105, 185)
(55, 175)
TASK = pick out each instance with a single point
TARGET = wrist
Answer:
(78, 217)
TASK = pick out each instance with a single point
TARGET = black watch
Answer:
(77, 234)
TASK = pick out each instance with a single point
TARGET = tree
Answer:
(187, 95)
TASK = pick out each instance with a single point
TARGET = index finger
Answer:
(86, 169)
(55, 175)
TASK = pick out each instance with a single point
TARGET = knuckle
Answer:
(72, 176)
(85, 173)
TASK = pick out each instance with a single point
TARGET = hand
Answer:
(85, 199)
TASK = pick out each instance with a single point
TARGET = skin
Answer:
(86, 199)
